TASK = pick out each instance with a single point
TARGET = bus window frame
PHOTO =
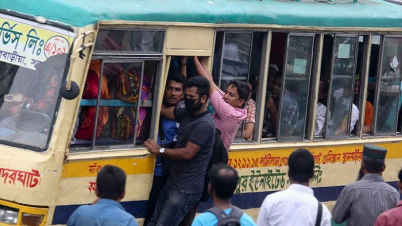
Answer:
(315, 84)
(140, 103)
(364, 75)
(379, 76)
(307, 34)
(342, 35)
(129, 57)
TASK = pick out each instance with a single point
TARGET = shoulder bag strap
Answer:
(218, 212)
(236, 212)
(319, 214)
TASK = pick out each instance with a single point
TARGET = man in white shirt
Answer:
(297, 204)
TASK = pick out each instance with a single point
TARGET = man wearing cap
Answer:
(361, 202)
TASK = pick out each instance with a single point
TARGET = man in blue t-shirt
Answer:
(106, 210)
(173, 95)
(222, 184)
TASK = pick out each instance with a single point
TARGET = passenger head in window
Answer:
(237, 94)
(272, 71)
(277, 88)
(174, 90)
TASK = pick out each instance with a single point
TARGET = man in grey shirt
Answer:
(361, 202)
(190, 157)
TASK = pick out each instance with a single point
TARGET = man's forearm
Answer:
(178, 153)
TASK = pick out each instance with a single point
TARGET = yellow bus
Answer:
(82, 85)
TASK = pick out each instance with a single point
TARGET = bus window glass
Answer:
(342, 113)
(235, 58)
(388, 102)
(139, 41)
(122, 113)
(295, 87)
(28, 101)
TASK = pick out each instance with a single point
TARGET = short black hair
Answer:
(223, 180)
(242, 88)
(110, 182)
(179, 78)
(201, 83)
(400, 175)
(373, 165)
(301, 165)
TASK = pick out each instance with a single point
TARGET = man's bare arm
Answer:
(203, 71)
(168, 112)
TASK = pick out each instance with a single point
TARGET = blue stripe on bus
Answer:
(243, 201)
(135, 208)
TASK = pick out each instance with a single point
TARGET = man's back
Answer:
(105, 213)
(293, 206)
(209, 219)
(361, 202)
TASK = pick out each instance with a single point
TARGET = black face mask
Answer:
(191, 105)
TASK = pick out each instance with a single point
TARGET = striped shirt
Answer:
(361, 202)
(227, 118)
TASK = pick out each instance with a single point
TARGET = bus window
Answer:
(123, 41)
(28, 101)
(116, 105)
(238, 57)
(342, 114)
(274, 84)
(295, 87)
(388, 88)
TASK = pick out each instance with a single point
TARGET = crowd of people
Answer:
(184, 147)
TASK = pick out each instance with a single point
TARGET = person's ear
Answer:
(383, 168)
(240, 103)
(204, 99)
(123, 194)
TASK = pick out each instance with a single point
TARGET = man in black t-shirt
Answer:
(190, 156)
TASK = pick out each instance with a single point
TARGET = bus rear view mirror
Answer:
(71, 93)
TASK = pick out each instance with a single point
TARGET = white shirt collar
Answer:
(301, 188)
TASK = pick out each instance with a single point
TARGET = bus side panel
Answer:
(79, 183)
(263, 172)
